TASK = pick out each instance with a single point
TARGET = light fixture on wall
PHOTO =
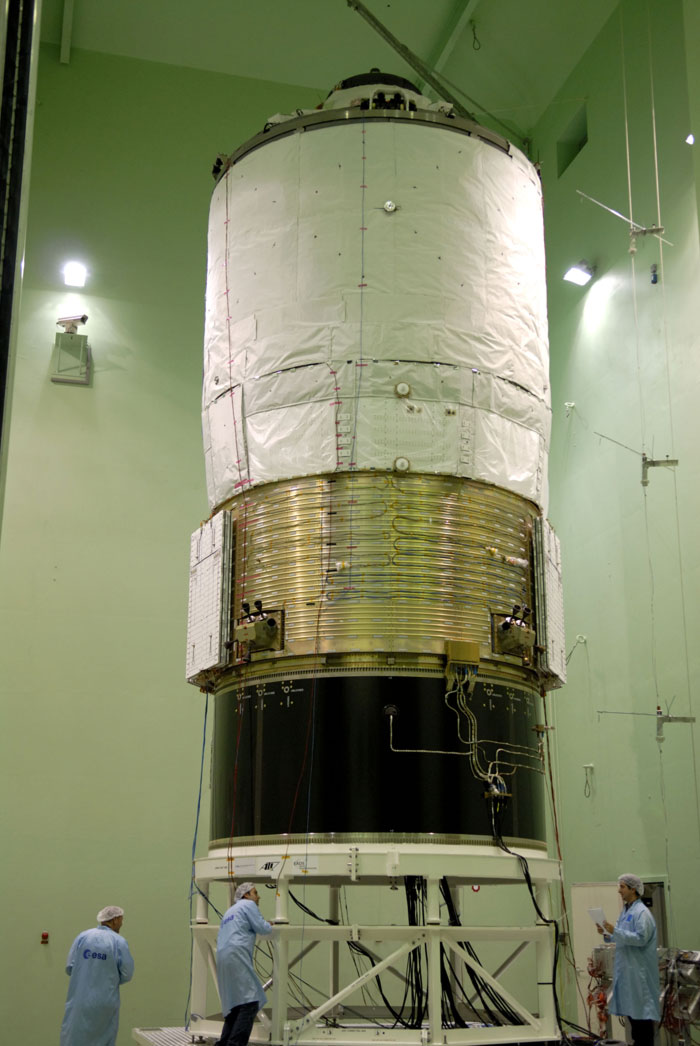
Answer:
(74, 274)
(580, 274)
(691, 139)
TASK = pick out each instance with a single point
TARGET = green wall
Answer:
(630, 553)
(101, 736)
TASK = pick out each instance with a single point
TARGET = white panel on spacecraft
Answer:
(376, 301)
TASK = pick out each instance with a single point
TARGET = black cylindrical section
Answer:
(370, 755)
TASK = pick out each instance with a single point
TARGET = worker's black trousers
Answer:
(238, 1025)
(642, 1032)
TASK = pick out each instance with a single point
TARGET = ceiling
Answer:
(509, 56)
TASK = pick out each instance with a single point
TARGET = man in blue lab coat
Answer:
(240, 989)
(99, 961)
(635, 993)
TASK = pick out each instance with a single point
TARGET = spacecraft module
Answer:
(376, 423)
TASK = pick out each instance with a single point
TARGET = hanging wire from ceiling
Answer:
(476, 42)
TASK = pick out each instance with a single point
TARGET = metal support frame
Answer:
(386, 946)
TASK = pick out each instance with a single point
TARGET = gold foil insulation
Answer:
(366, 564)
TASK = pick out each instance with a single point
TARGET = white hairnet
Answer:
(112, 911)
(242, 890)
(634, 883)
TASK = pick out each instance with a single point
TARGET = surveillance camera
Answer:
(70, 323)
(72, 319)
